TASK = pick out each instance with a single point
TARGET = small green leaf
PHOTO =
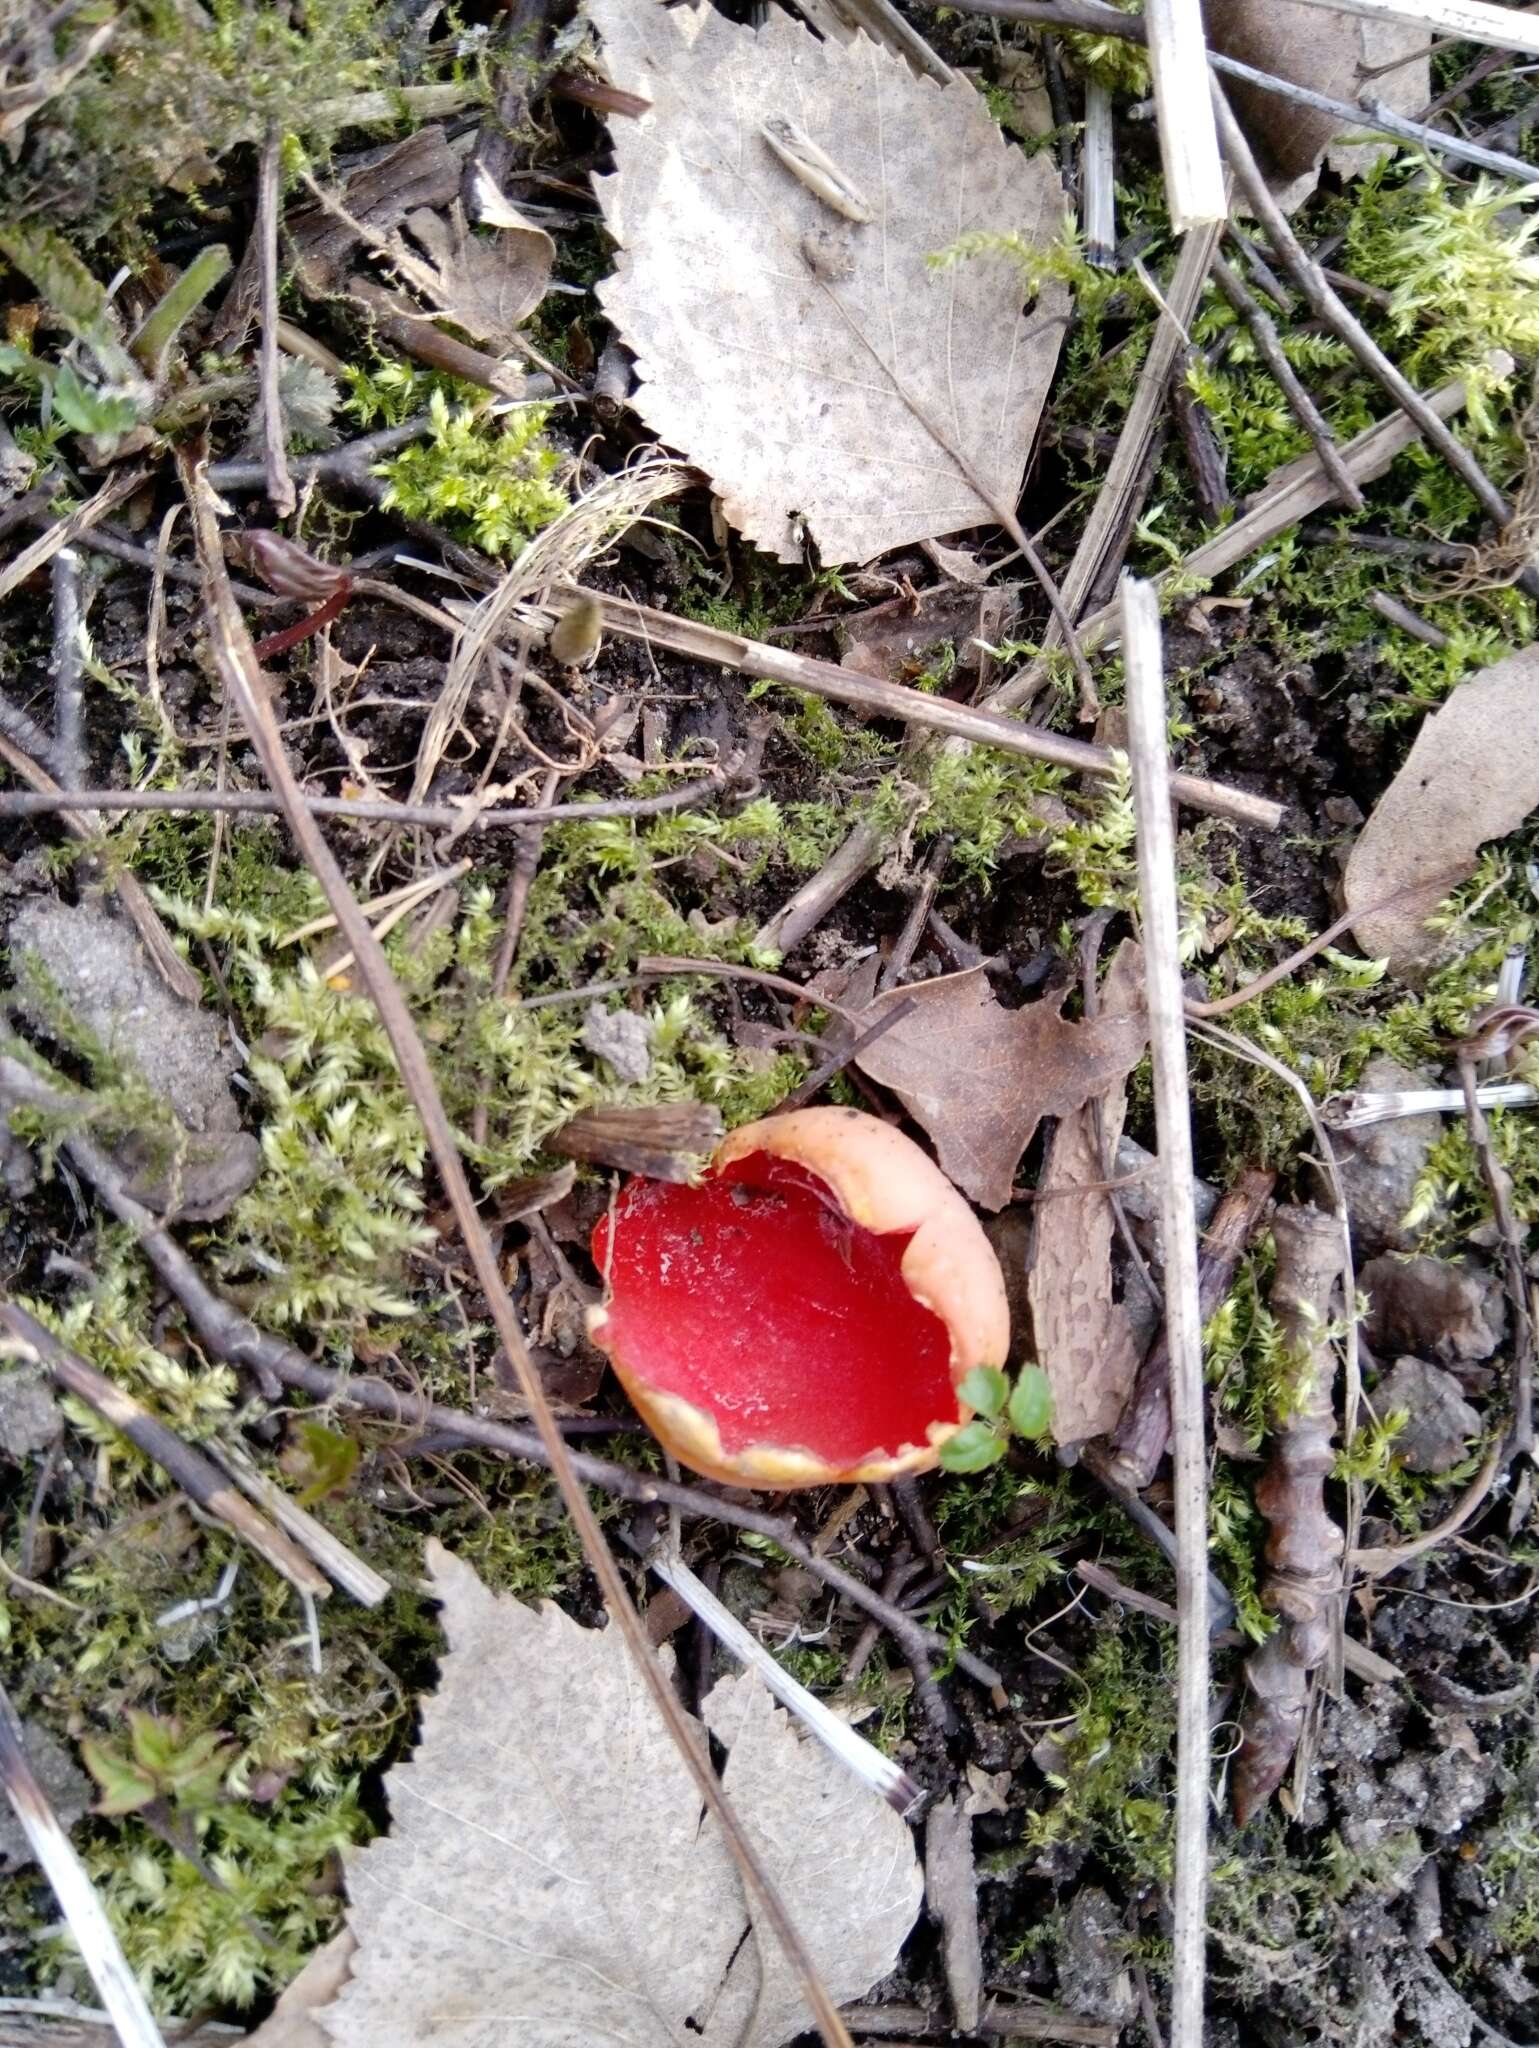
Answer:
(332, 1459)
(974, 1448)
(125, 1787)
(985, 1389)
(1031, 1403)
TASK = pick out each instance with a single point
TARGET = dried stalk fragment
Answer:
(1305, 1547)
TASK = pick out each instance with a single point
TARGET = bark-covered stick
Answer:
(116, 1984)
(1472, 21)
(1304, 1549)
(1160, 916)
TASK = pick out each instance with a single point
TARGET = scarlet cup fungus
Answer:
(808, 1312)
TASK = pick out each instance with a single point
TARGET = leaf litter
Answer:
(548, 1875)
(821, 371)
(980, 1078)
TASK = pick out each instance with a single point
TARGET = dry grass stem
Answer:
(1160, 918)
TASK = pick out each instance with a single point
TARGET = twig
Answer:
(1146, 706)
(1395, 613)
(195, 1474)
(280, 485)
(1098, 182)
(85, 825)
(1378, 1559)
(731, 970)
(19, 727)
(241, 675)
(1286, 378)
(913, 707)
(1356, 1108)
(68, 671)
(1328, 306)
(1204, 455)
(121, 485)
(1470, 21)
(820, 1077)
(116, 1984)
(838, 1737)
(858, 851)
(341, 1565)
(399, 321)
(261, 803)
(1194, 174)
(1139, 1441)
(352, 459)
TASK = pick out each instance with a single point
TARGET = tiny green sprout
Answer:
(1026, 1409)
(985, 1390)
(1031, 1403)
(974, 1448)
(160, 1763)
(330, 1461)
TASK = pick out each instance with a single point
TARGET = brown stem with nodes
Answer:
(1304, 1549)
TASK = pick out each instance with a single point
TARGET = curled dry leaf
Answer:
(547, 1877)
(1084, 1339)
(1335, 54)
(980, 1078)
(487, 284)
(1472, 775)
(816, 365)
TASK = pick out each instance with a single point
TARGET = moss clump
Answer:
(491, 482)
(178, 86)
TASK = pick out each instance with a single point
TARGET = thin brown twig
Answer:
(261, 803)
(280, 485)
(1520, 1442)
(820, 1077)
(1327, 305)
(1287, 380)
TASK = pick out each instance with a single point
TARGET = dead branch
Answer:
(1178, 58)
(445, 817)
(1304, 1549)
(892, 700)
(1286, 378)
(68, 667)
(1160, 916)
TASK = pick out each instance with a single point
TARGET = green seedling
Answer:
(1001, 1411)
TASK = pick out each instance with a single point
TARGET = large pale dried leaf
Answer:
(486, 284)
(1329, 53)
(1472, 775)
(1084, 1339)
(548, 1878)
(980, 1078)
(818, 368)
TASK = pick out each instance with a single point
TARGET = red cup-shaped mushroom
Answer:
(809, 1311)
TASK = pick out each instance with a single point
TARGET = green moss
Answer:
(177, 87)
(490, 481)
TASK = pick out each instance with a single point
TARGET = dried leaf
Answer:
(486, 284)
(421, 171)
(819, 369)
(1335, 54)
(292, 2022)
(1084, 1338)
(548, 1876)
(663, 1140)
(1472, 775)
(980, 1078)
(897, 641)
